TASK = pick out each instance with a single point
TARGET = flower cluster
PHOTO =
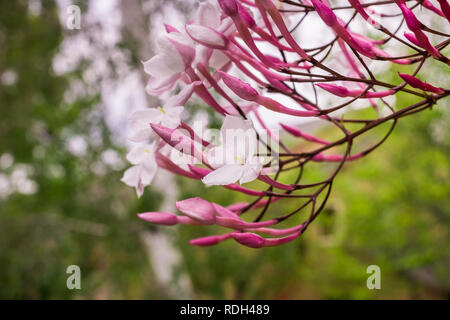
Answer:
(242, 56)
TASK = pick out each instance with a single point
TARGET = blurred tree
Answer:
(61, 202)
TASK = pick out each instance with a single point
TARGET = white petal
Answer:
(218, 59)
(151, 115)
(142, 135)
(217, 157)
(204, 35)
(251, 172)
(182, 97)
(208, 15)
(160, 66)
(141, 153)
(131, 176)
(232, 123)
(224, 175)
(157, 86)
(139, 189)
(239, 138)
(171, 118)
(148, 172)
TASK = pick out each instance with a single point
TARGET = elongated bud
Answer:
(411, 21)
(246, 16)
(239, 224)
(207, 37)
(427, 4)
(416, 83)
(275, 184)
(334, 89)
(209, 240)
(325, 13)
(239, 87)
(167, 164)
(411, 37)
(298, 133)
(248, 239)
(237, 207)
(200, 172)
(164, 218)
(344, 92)
(223, 212)
(359, 8)
(197, 209)
(279, 241)
(177, 140)
(445, 7)
(276, 232)
(247, 92)
(229, 7)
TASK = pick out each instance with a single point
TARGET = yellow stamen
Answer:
(161, 109)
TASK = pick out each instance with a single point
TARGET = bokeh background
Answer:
(64, 100)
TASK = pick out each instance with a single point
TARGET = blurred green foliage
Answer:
(389, 209)
(77, 215)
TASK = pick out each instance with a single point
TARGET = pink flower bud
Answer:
(445, 7)
(239, 87)
(207, 37)
(275, 184)
(223, 212)
(359, 8)
(239, 224)
(197, 209)
(246, 16)
(297, 133)
(427, 4)
(276, 232)
(325, 13)
(200, 172)
(209, 240)
(334, 89)
(416, 83)
(164, 218)
(411, 37)
(411, 21)
(271, 242)
(237, 207)
(177, 140)
(344, 92)
(229, 7)
(248, 239)
(167, 164)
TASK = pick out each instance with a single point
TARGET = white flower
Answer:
(235, 159)
(176, 53)
(209, 16)
(144, 167)
(168, 115)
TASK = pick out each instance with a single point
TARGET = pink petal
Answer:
(197, 209)
(164, 218)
